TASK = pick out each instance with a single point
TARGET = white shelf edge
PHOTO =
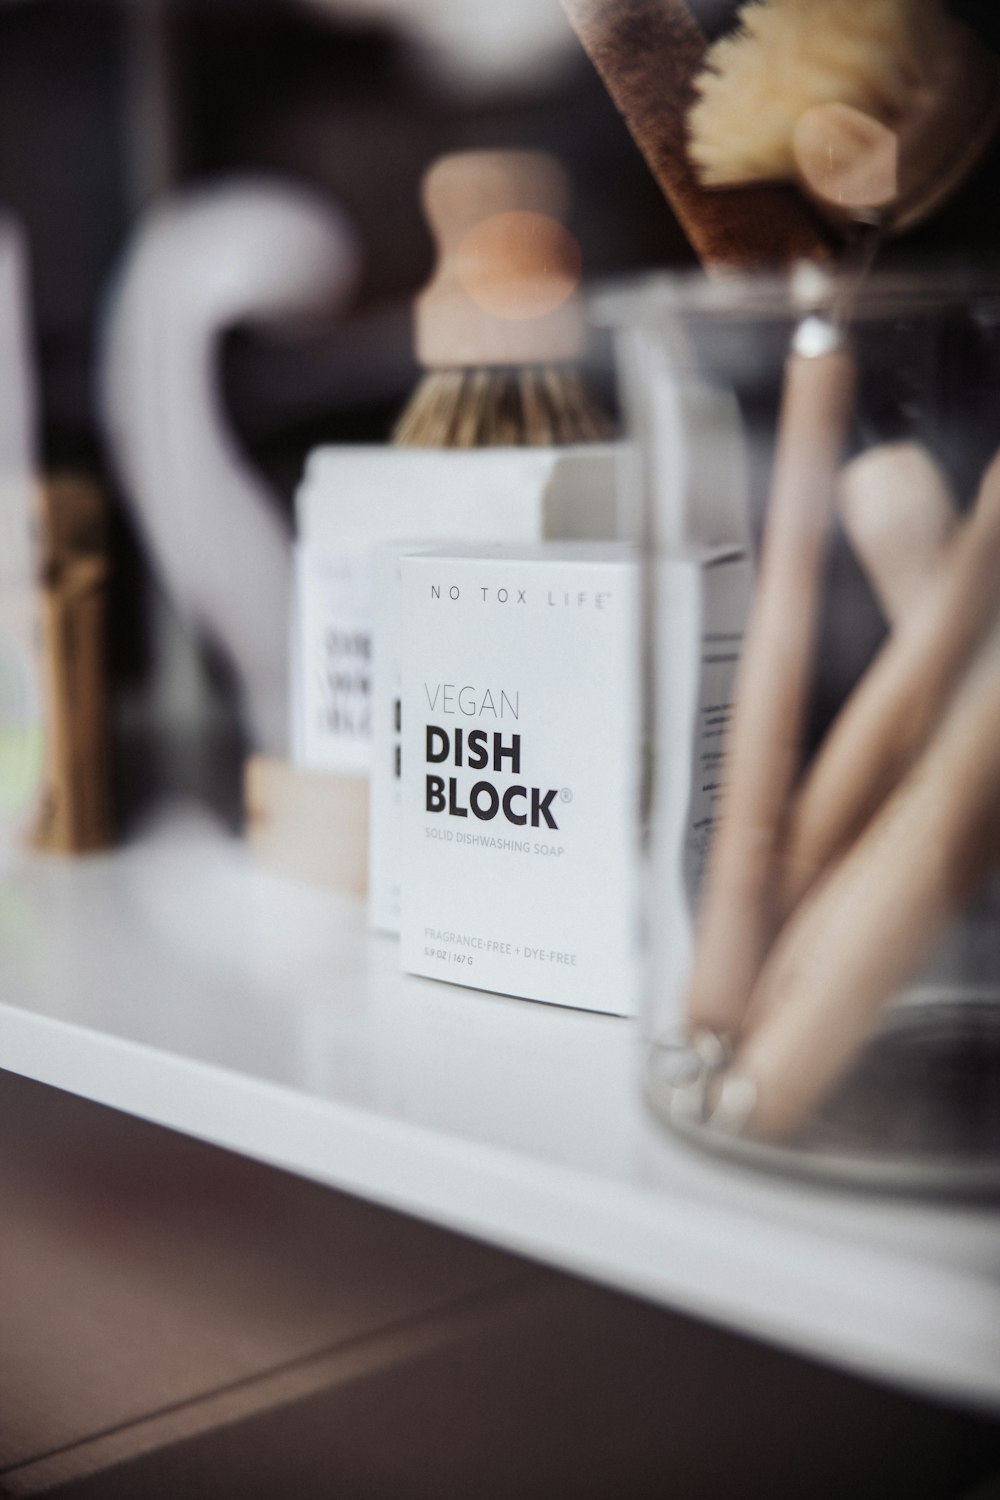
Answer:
(695, 1259)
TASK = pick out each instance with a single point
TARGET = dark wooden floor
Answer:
(176, 1321)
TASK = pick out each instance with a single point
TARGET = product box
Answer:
(353, 498)
(385, 799)
(702, 600)
(520, 762)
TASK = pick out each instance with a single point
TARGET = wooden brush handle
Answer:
(900, 516)
(893, 710)
(876, 917)
(649, 52)
(504, 291)
(764, 750)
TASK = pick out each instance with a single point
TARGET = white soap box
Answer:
(385, 785)
(353, 498)
(520, 772)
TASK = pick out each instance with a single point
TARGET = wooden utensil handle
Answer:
(736, 920)
(876, 916)
(895, 707)
(900, 516)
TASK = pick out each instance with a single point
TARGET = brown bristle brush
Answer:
(649, 54)
(878, 111)
(499, 329)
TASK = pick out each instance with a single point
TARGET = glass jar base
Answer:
(918, 1113)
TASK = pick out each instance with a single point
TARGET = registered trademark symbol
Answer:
(565, 795)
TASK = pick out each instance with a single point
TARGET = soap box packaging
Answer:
(385, 800)
(520, 772)
(702, 601)
(353, 498)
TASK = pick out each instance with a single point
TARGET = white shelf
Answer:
(177, 982)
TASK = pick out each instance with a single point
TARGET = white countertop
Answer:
(178, 982)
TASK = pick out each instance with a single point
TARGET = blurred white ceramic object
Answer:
(252, 251)
(20, 712)
(473, 46)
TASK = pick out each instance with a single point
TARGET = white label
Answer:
(333, 661)
(520, 764)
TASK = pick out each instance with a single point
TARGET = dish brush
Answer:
(878, 110)
(649, 54)
(499, 328)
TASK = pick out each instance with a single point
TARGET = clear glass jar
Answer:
(877, 461)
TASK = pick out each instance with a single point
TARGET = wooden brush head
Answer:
(505, 289)
(649, 54)
(878, 110)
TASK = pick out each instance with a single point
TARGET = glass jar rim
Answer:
(670, 296)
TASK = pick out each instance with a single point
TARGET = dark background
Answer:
(105, 107)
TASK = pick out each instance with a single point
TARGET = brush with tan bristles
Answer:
(649, 54)
(878, 109)
(499, 329)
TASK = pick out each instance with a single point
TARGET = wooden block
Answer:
(310, 824)
(75, 812)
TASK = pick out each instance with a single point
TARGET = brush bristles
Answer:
(789, 55)
(540, 406)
